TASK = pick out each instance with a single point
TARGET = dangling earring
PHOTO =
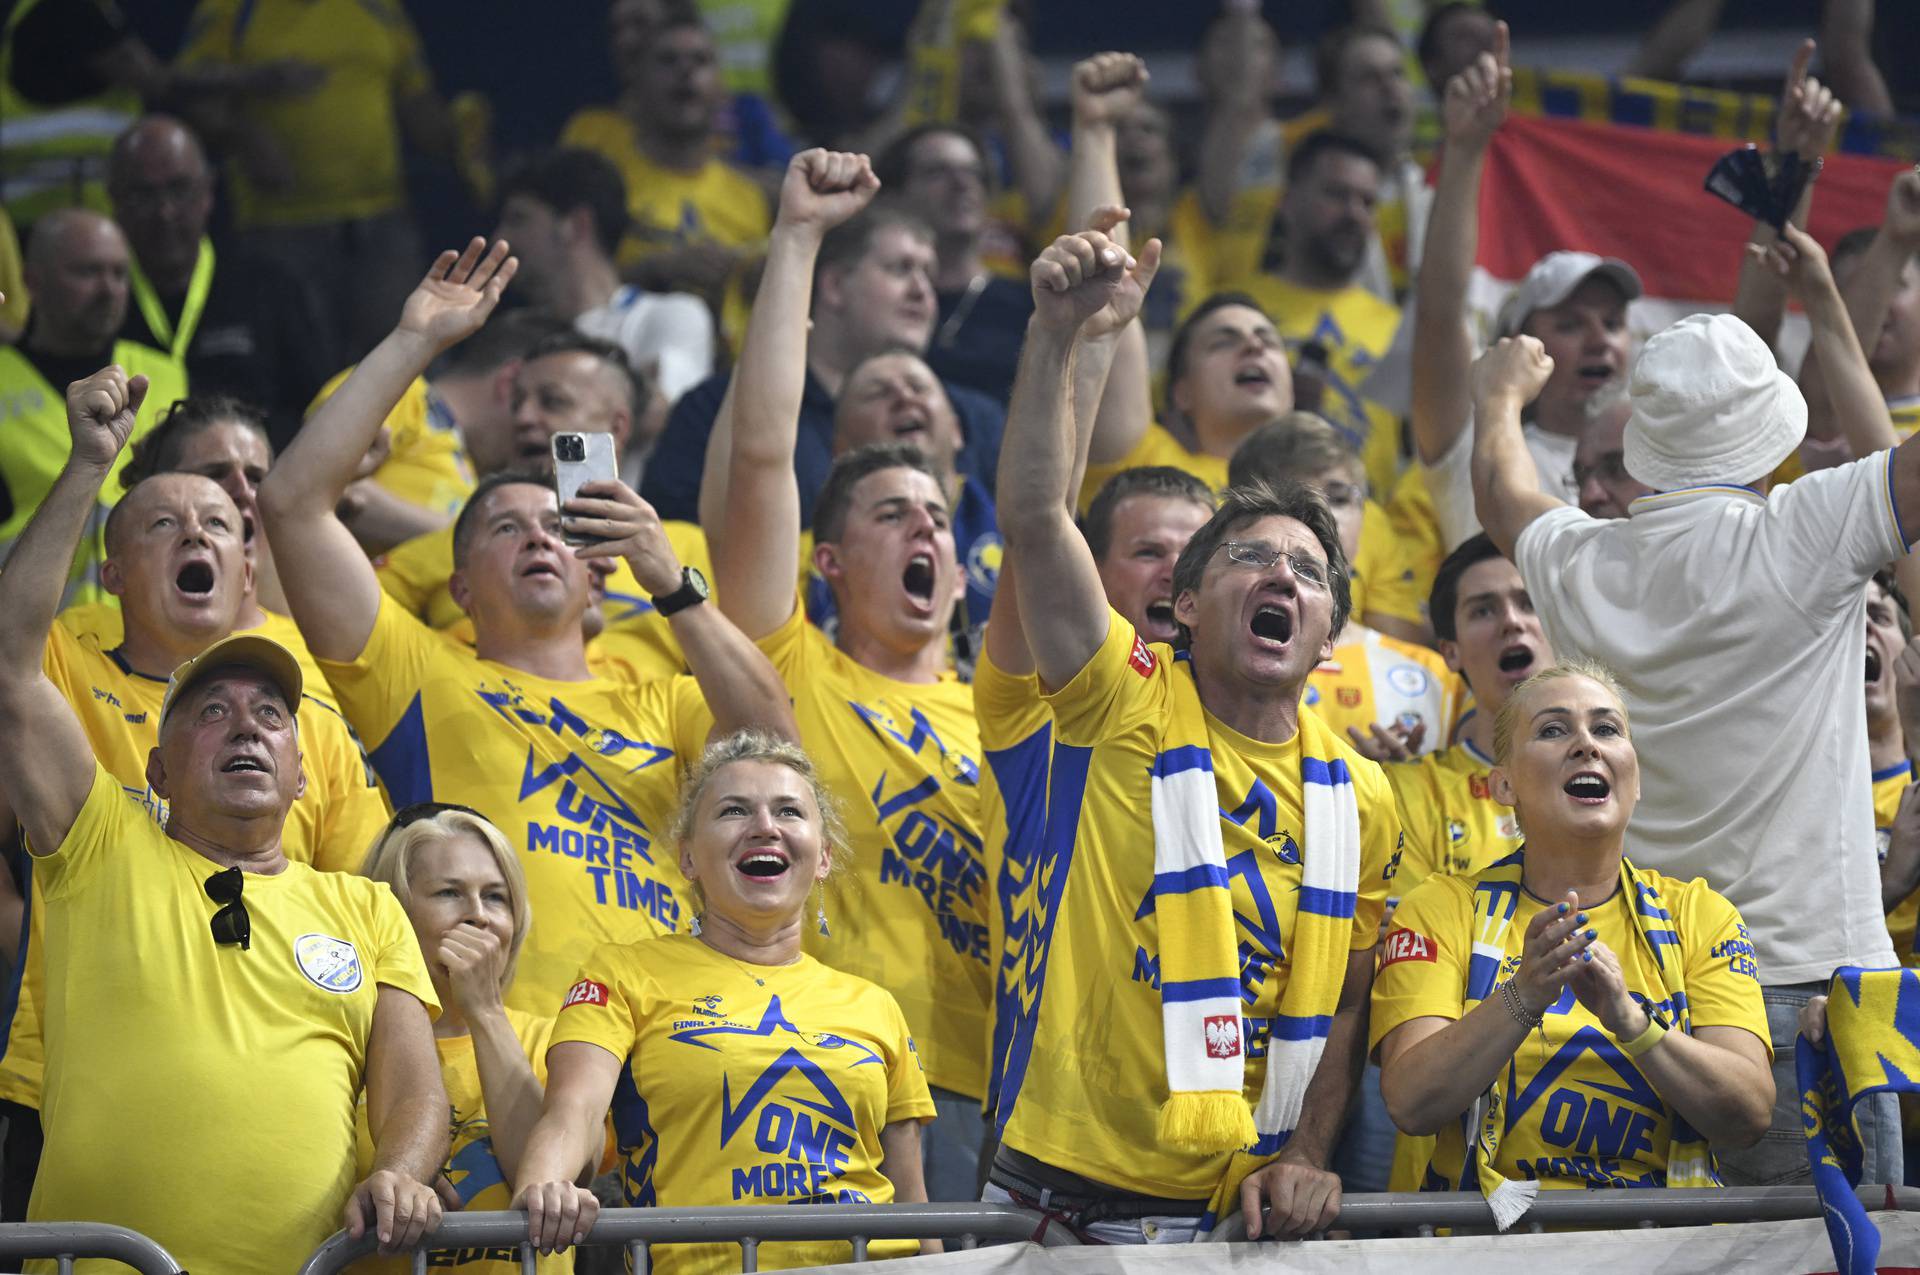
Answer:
(693, 926)
(822, 914)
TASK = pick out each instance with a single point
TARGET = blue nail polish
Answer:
(1593, 934)
(1586, 956)
(1581, 919)
(1563, 909)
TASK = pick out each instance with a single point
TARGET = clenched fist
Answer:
(101, 412)
(823, 188)
(1513, 367)
(1107, 87)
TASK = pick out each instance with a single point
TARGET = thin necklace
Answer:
(745, 968)
(950, 330)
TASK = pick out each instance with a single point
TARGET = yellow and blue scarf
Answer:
(1200, 1006)
(1496, 897)
(1872, 1046)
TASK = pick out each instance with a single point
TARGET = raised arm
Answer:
(1037, 164)
(329, 582)
(1113, 390)
(1506, 482)
(1036, 400)
(739, 683)
(1851, 406)
(1237, 103)
(47, 768)
(1073, 280)
(1805, 122)
(1472, 109)
(407, 1115)
(1869, 293)
(756, 541)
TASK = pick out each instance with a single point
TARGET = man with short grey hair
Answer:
(1736, 621)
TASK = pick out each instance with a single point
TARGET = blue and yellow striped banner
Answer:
(1682, 108)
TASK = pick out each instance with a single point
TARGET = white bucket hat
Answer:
(1710, 406)
(1554, 278)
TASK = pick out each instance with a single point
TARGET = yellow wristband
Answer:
(1655, 1033)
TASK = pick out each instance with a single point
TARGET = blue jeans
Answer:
(1364, 1156)
(1780, 1157)
(950, 1147)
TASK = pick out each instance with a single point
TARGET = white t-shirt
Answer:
(667, 335)
(1737, 626)
(1450, 479)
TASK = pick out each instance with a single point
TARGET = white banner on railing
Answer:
(1753, 1248)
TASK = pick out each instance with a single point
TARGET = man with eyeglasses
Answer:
(194, 967)
(579, 771)
(242, 324)
(1599, 458)
(1159, 1005)
(177, 564)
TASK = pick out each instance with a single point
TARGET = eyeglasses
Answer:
(1309, 571)
(230, 924)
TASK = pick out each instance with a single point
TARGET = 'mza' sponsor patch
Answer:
(1407, 945)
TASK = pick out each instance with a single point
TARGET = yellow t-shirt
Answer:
(426, 461)
(1417, 550)
(1888, 784)
(1157, 446)
(103, 623)
(1579, 1113)
(720, 204)
(470, 1164)
(1087, 1076)
(1016, 742)
(636, 644)
(166, 1049)
(1376, 679)
(746, 1084)
(1357, 329)
(910, 911)
(1453, 824)
(330, 826)
(1250, 242)
(582, 776)
(342, 140)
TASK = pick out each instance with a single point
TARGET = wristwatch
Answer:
(693, 590)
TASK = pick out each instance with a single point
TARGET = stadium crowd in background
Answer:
(1139, 631)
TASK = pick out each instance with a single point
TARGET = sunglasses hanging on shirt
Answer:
(230, 923)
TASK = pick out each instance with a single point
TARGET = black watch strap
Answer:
(692, 591)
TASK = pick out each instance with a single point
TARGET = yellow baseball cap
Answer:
(247, 650)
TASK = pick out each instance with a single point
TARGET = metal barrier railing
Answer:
(747, 1228)
(973, 1224)
(67, 1241)
(1610, 1210)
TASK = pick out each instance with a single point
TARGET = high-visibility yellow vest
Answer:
(35, 443)
(55, 157)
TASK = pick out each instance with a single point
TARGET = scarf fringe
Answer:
(1510, 1201)
(1208, 1122)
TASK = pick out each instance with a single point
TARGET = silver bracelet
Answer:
(1510, 997)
